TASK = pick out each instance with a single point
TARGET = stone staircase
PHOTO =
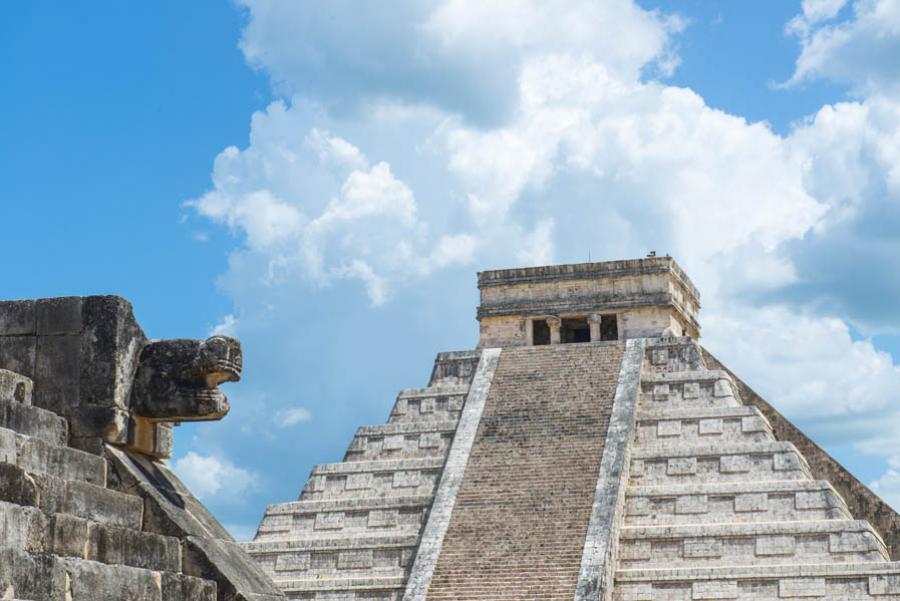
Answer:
(716, 508)
(520, 519)
(354, 532)
(64, 533)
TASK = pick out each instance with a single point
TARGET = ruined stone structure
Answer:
(589, 449)
(88, 511)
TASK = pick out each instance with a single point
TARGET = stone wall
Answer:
(861, 501)
(649, 296)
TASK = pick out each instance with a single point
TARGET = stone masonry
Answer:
(88, 510)
(354, 531)
(591, 450)
(522, 512)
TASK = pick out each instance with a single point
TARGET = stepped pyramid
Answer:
(589, 448)
(88, 509)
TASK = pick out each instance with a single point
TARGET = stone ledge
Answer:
(355, 467)
(318, 506)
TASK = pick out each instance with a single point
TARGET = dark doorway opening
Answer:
(575, 330)
(540, 332)
(609, 327)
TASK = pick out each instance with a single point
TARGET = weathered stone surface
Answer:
(531, 476)
(63, 533)
(862, 502)
(177, 380)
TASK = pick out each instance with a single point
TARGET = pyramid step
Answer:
(673, 354)
(94, 580)
(401, 440)
(725, 462)
(382, 588)
(707, 388)
(402, 477)
(32, 530)
(73, 497)
(302, 518)
(827, 541)
(435, 403)
(822, 582)
(15, 388)
(37, 456)
(706, 425)
(325, 557)
(33, 421)
(716, 502)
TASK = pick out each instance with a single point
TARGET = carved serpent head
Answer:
(177, 380)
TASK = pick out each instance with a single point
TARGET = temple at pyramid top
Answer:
(587, 302)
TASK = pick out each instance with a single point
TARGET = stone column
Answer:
(529, 332)
(594, 323)
(554, 323)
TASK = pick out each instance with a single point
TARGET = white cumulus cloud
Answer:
(207, 476)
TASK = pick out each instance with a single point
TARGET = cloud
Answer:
(207, 476)
(462, 56)
(437, 137)
(888, 485)
(862, 51)
(292, 417)
(227, 327)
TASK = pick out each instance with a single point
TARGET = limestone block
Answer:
(59, 315)
(733, 464)
(133, 548)
(888, 584)
(15, 387)
(749, 502)
(359, 444)
(753, 423)
(18, 354)
(801, 587)
(637, 506)
(17, 317)
(635, 550)
(680, 466)
(406, 479)
(332, 520)
(691, 504)
(775, 545)
(668, 428)
(702, 548)
(661, 392)
(722, 388)
(850, 542)
(691, 390)
(430, 440)
(660, 356)
(427, 406)
(33, 421)
(812, 500)
(383, 518)
(292, 562)
(362, 481)
(708, 427)
(783, 462)
(356, 559)
(393, 443)
(635, 592)
(714, 589)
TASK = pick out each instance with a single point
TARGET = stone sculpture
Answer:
(177, 380)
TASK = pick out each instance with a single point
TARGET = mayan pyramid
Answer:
(589, 448)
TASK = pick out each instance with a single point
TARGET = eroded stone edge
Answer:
(451, 478)
(597, 560)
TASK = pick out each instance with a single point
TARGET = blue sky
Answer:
(324, 180)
